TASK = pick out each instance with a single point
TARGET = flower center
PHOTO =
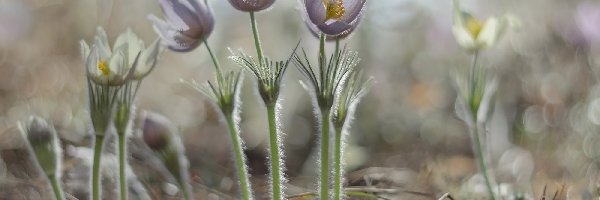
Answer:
(474, 26)
(334, 9)
(103, 67)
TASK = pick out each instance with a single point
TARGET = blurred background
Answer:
(405, 135)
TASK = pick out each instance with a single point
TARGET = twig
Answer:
(446, 196)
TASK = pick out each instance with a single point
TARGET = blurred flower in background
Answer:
(188, 23)
(16, 19)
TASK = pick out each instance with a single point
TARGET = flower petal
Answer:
(118, 62)
(353, 9)
(251, 5)
(463, 38)
(490, 33)
(315, 11)
(101, 41)
(84, 50)
(147, 60)
(173, 17)
(334, 28)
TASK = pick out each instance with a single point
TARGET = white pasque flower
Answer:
(103, 65)
(135, 45)
(474, 34)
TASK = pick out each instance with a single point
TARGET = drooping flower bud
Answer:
(160, 135)
(251, 5)
(44, 143)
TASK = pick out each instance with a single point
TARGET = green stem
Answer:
(215, 62)
(257, 44)
(475, 129)
(122, 165)
(185, 189)
(322, 55)
(338, 164)
(324, 186)
(473, 104)
(482, 162)
(274, 150)
(58, 193)
(239, 158)
(96, 167)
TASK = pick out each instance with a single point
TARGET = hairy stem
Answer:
(480, 152)
(257, 43)
(96, 167)
(122, 165)
(324, 185)
(274, 150)
(477, 128)
(240, 160)
(58, 193)
(337, 185)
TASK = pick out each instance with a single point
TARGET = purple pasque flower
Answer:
(188, 23)
(334, 17)
(251, 5)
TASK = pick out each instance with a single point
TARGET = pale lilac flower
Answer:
(334, 17)
(188, 23)
(587, 19)
(251, 5)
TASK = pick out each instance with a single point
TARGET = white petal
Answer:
(464, 38)
(147, 60)
(490, 32)
(101, 41)
(118, 63)
(84, 50)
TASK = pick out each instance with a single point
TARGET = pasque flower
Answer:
(334, 17)
(188, 23)
(474, 34)
(105, 66)
(251, 5)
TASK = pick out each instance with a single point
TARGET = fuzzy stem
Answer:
(122, 165)
(239, 158)
(338, 164)
(96, 167)
(274, 150)
(324, 186)
(215, 62)
(58, 193)
(185, 189)
(481, 160)
(475, 128)
(257, 43)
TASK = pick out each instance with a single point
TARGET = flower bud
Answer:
(43, 142)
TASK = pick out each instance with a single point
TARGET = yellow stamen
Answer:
(103, 67)
(334, 9)
(474, 26)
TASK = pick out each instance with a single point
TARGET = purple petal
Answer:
(251, 5)
(353, 10)
(334, 28)
(315, 11)
(172, 17)
(189, 17)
